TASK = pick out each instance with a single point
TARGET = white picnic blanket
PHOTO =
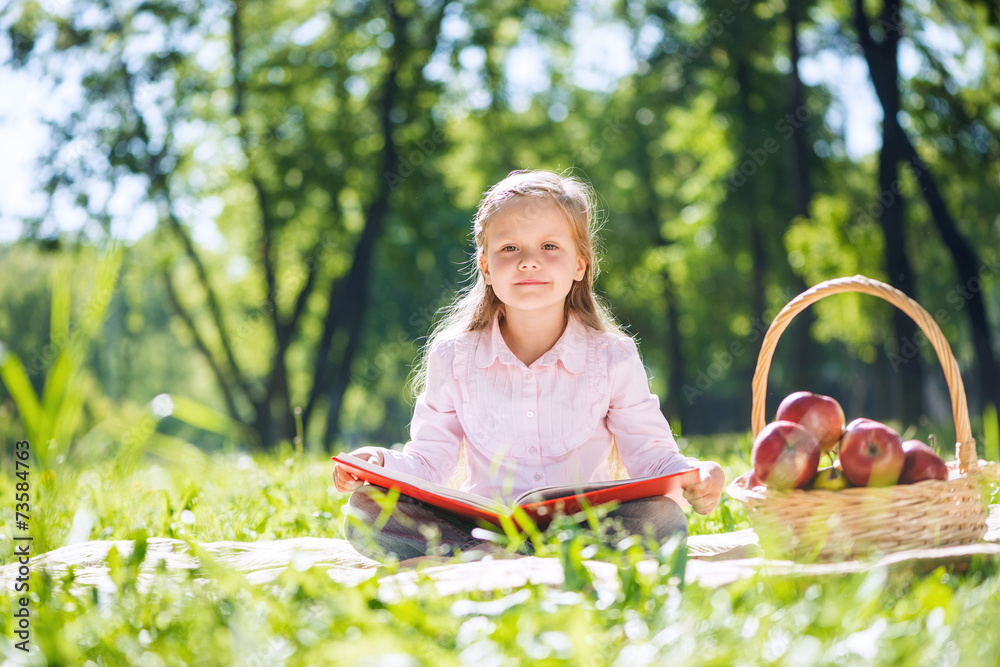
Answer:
(713, 560)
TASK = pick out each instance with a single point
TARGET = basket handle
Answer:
(965, 447)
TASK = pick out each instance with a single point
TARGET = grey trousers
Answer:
(413, 528)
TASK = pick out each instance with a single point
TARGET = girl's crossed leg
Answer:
(413, 528)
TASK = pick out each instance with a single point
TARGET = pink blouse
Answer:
(539, 425)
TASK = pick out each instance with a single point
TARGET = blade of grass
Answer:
(59, 330)
(991, 433)
(201, 416)
(54, 391)
(19, 386)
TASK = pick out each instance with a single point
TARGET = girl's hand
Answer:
(345, 481)
(704, 495)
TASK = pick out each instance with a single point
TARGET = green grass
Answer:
(305, 618)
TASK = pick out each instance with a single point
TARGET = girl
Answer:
(529, 369)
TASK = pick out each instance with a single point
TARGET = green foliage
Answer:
(52, 420)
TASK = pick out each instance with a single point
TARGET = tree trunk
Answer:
(273, 420)
(758, 252)
(967, 262)
(802, 188)
(803, 374)
(355, 299)
(673, 407)
(349, 297)
(969, 267)
(883, 66)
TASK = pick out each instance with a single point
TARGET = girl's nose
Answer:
(529, 261)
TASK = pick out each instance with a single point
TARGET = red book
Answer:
(539, 504)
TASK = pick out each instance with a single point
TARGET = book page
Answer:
(566, 490)
(461, 496)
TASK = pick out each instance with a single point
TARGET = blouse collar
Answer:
(570, 349)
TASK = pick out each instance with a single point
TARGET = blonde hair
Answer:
(475, 306)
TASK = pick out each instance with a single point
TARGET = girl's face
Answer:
(530, 257)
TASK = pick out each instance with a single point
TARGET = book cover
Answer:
(540, 504)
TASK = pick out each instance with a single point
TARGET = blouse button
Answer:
(530, 414)
(538, 476)
(527, 375)
(532, 451)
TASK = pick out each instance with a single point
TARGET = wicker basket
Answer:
(833, 525)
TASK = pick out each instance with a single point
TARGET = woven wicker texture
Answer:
(825, 525)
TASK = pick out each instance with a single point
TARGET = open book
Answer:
(539, 504)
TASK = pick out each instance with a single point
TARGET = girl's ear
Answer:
(581, 268)
(484, 267)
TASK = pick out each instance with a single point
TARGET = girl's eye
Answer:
(550, 246)
(507, 248)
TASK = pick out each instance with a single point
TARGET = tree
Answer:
(317, 135)
(882, 57)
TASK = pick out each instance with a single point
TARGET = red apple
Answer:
(921, 462)
(785, 455)
(820, 415)
(871, 453)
